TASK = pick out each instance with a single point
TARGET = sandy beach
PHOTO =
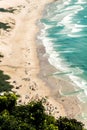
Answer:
(23, 58)
(18, 47)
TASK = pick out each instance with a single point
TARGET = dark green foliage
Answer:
(52, 127)
(7, 101)
(32, 113)
(7, 121)
(64, 123)
(4, 84)
(31, 117)
(50, 123)
(37, 114)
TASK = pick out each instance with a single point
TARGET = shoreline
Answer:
(74, 108)
(23, 60)
(55, 83)
(70, 104)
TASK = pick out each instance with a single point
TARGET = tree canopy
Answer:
(31, 117)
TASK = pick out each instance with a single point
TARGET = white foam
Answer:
(78, 81)
(56, 61)
(67, 2)
(76, 35)
(67, 19)
(74, 7)
(71, 29)
(60, 64)
(81, 2)
(72, 35)
(75, 29)
(80, 26)
(54, 57)
(66, 51)
(77, 71)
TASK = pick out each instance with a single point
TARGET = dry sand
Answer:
(18, 46)
(20, 62)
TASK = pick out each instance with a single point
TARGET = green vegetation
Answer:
(31, 117)
(69, 124)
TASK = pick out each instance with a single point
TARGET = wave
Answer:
(65, 69)
(81, 2)
(63, 34)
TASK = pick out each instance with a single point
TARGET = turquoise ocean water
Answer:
(64, 35)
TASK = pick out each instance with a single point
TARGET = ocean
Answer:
(64, 35)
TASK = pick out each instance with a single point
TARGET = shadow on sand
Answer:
(4, 83)
(4, 26)
(10, 10)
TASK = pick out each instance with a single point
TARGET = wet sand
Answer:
(56, 84)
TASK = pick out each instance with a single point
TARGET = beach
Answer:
(25, 60)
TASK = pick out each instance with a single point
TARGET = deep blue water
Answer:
(64, 35)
